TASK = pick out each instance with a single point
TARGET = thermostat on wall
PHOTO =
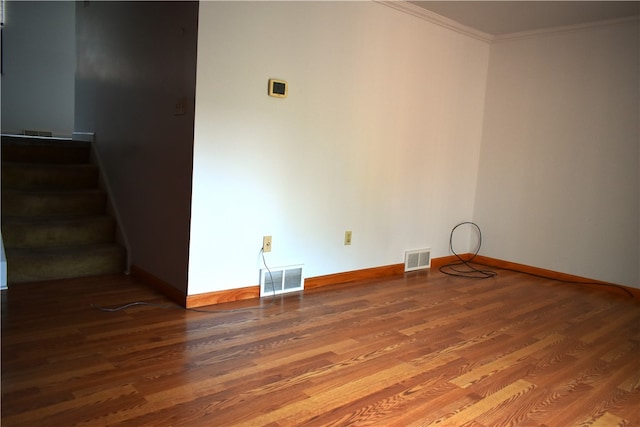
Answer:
(278, 88)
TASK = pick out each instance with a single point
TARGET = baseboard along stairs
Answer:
(55, 221)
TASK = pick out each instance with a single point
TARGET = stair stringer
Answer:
(103, 182)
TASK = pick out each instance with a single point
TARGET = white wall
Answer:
(380, 135)
(558, 184)
(135, 61)
(39, 67)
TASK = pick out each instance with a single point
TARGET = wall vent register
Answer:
(417, 260)
(281, 280)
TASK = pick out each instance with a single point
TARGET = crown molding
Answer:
(442, 21)
(427, 15)
(562, 30)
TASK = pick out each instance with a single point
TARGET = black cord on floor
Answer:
(572, 282)
(463, 267)
(472, 272)
(197, 310)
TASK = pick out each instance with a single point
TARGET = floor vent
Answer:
(45, 133)
(281, 280)
(417, 260)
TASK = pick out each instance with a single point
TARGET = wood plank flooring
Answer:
(417, 350)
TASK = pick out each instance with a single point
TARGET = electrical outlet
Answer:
(347, 237)
(181, 106)
(266, 244)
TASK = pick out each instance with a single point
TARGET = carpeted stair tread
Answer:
(24, 232)
(48, 203)
(31, 265)
(43, 176)
(44, 150)
(54, 215)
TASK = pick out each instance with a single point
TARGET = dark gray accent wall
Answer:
(135, 89)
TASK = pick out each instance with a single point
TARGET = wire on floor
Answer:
(572, 282)
(470, 271)
(463, 267)
(198, 310)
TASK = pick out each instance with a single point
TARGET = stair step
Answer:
(47, 232)
(27, 176)
(52, 203)
(32, 265)
(44, 150)
(54, 220)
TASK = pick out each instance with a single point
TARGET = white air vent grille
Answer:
(281, 280)
(417, 260)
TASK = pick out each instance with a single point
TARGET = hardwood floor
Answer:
(423, 349)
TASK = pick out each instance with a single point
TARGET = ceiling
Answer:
(505, 17)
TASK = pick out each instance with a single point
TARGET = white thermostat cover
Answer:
(278, 88)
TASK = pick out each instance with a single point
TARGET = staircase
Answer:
(54, 215)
